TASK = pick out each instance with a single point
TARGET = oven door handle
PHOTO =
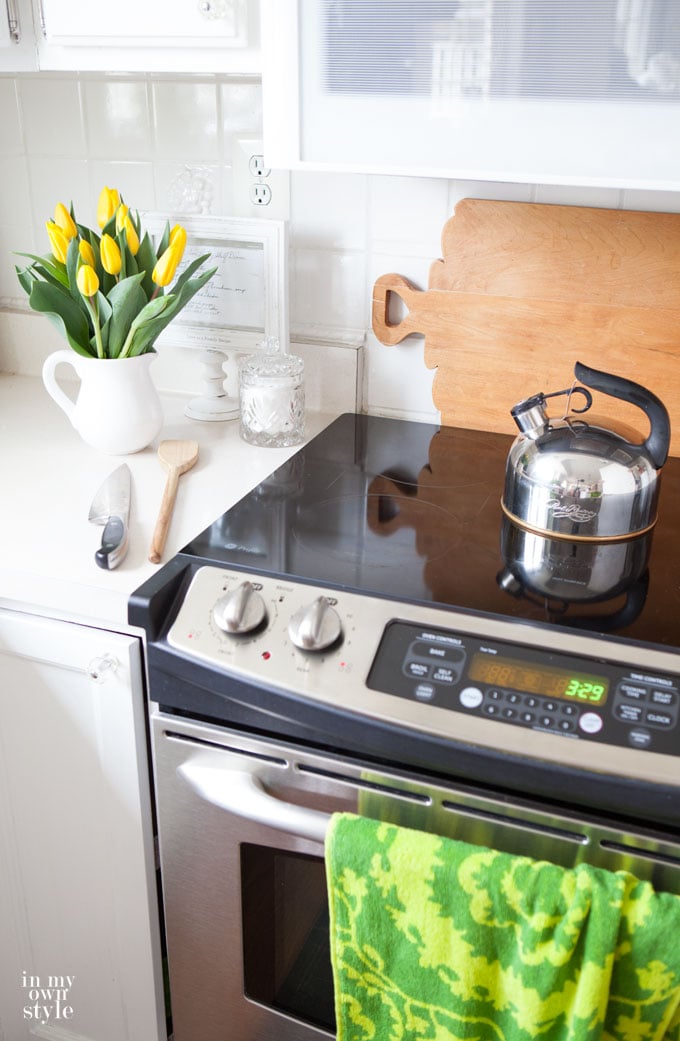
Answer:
(243, 793)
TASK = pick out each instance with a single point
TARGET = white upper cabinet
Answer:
(139, 35)
(583, 93)
(18, 51)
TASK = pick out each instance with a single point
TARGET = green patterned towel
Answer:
(436, 939)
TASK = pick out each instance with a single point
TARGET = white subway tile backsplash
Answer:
(571, 195)
(168, 145)
(328, 290)
(118, 119)
(11, 138)
(61, 179)
(498, 190)
(15, 198)
(15, 239)
(329, 211)
(661, 202)
(134, 181)
(52, 117)
(240, 113)
(185, 120)
(188, 187)
(406, 214)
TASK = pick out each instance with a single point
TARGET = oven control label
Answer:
(529, 687)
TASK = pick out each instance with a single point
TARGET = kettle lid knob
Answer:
(531, 416)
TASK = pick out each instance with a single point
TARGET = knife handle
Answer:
(114, 544)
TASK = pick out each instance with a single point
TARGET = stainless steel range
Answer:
(359, 633)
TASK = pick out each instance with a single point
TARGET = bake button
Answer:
(441, 674)
(471, 697)
(629, 713)
(632, 691)
(664, 697)
(424, 692)
(659, 719)
(417, 669)
(590, 723)
(639, 738)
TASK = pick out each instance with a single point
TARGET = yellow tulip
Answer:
(131, 236)
(87, 254)
(58, 240)
(65, 221)
(109, 252)
(121, 215)
(108, 203)
(178, 238)
(165, 268)
(87, 280)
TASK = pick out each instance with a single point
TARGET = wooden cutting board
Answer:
(525, 290)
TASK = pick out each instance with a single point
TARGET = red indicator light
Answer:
(266, 655)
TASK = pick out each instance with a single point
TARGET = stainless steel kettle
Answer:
(570, 479)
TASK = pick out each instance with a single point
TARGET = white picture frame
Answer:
(244, 307)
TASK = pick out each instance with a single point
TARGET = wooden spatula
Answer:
(177, 457)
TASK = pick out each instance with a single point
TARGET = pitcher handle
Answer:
(52, 387)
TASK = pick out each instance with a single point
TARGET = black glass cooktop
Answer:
(412, 511)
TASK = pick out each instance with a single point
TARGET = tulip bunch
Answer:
(110, 294)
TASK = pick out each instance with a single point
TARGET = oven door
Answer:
(241, 824)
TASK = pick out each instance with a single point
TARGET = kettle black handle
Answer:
(659, 440)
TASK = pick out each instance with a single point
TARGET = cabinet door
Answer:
(80, 947)
(583, 93)
(18, 52)
(205, 35)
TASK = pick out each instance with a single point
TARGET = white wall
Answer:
(65, 135)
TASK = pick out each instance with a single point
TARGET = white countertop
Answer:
(49, 476)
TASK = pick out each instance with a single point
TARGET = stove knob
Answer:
(315, 626)
(241, 610)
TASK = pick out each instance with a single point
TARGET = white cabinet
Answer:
(18, 47)
(194, 36)
(542, 92)
(79, 935)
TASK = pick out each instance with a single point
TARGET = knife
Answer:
(111, 507)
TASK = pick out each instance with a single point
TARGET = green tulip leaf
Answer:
(146, 336)
(164, 242)
(127, 299)
(64, 313)
(51, 265)
(72, 258)
(136, 342)
(27, 277)
(146, 261)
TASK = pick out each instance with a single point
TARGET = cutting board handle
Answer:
(388, 332)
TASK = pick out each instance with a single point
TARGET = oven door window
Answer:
(286, 952)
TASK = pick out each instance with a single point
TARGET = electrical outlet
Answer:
(260, 194)
(258, 191)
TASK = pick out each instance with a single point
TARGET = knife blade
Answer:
(111, 507)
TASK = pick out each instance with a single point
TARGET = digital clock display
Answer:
(525, 677)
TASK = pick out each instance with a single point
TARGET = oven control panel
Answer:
(528, 687)
(458, 676)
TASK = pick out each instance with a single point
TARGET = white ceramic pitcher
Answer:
(117, 409)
